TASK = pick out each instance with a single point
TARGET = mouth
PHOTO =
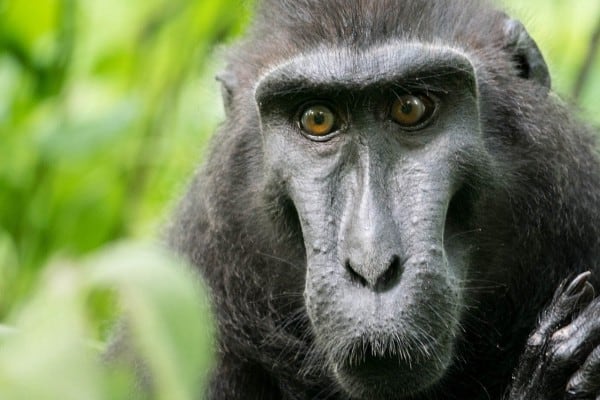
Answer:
(388, 368)
(367, 365)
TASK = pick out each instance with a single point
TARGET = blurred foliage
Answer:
(105, 108)
(48, 352)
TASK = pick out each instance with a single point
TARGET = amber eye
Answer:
(318, 120)
(411, 111)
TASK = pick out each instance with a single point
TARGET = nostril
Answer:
(390, 276)
(355, 276)
(387, 278)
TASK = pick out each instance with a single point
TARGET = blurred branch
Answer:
(49, 75)
(588, 62)
(161, 17)
(58, 70)
(15, 50)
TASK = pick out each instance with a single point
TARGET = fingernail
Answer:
(578, 283)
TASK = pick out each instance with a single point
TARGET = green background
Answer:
(105, 110)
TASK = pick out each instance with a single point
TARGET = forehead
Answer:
(365, 22)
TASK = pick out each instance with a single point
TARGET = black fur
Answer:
(536, 225)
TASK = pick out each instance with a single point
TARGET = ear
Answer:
(228, 84)
(526, 54)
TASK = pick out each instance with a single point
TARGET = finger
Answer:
(568, 300)
(571, 345)
(585, 383)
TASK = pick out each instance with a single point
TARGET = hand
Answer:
(562, 356)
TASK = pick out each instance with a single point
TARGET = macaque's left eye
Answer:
(411, 111)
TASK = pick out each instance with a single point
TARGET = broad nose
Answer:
(370, 243)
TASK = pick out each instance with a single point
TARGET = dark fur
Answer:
(538, 226)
